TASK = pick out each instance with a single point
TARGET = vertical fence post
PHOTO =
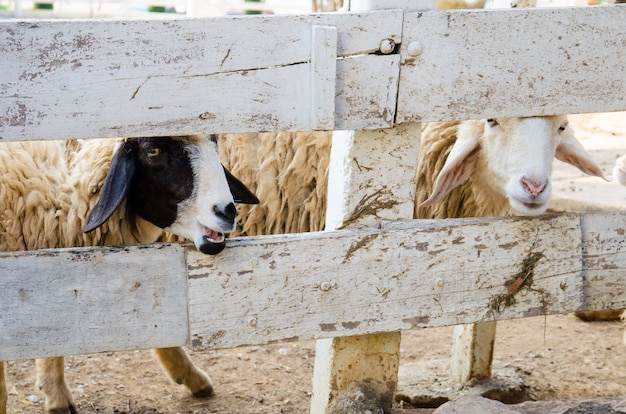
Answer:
(372, 177)
(473, 344)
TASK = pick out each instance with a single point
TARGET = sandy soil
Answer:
(556, 356)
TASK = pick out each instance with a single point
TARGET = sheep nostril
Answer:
(532, 188)
(227, 212)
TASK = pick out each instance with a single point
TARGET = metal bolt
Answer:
(386, 46)
(414, 49)
(325, 286)
(252, 321)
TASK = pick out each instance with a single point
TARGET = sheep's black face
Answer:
(163, 178)
(175, 183)
(181, 186)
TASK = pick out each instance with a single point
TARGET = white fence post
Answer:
(372, 177)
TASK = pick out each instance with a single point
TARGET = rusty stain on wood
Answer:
(362, 242)
(370, 204)
(522, 280)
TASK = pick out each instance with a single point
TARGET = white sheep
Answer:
(619, 170)
(102, 192)
(494, 167)
(473, 168)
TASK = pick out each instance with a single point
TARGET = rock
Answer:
(480, 405)
(356, 399)
(425, 384)
(473, 404)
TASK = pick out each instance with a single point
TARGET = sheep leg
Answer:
(51, 381)
(179, 367)
(3, 390)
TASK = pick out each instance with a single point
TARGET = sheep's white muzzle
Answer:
(526, 207)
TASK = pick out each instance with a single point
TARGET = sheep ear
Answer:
(571, 151)
(456, 170)
(240, 192)
(115, 187)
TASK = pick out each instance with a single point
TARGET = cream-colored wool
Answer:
(288, 171)
(45, 202)
(47, 190)
(470, 199)
(460, 4)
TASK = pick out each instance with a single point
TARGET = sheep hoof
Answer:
(65, 410)
(205, 392)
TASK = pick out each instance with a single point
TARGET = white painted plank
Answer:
(313, 286)
(309, 286)
(74, 301)
(366, 92)
(516, 62)
(100, 78)
(323, 77)
(472, 351)
(605, 260)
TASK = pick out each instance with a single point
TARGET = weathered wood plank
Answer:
(134, 78)
(73, 301)
(562, 60)
(366, 105)
(605, 260)
(323, 77)
(309, 286)
(314, 286)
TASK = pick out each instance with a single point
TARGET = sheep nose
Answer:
(226, 212)
(532, 188)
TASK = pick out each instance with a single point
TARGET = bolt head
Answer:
(414, 49)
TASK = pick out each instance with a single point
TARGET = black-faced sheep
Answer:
(103, 192)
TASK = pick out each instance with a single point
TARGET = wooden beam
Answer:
(453, 66)
(103, 78)
(411, 274)
(310, 286)
(76, 301)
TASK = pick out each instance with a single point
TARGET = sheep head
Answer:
(175, 183)
(512, 157)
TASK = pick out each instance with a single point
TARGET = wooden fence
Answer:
(371, 75)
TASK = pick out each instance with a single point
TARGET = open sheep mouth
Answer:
(213, 242)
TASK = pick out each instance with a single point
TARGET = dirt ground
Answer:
(558, 357)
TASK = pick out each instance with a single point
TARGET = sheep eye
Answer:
(562, 127)
(492, 122)
(152, 152)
